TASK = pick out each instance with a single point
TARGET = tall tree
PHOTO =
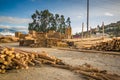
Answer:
(62, 26)
(57, 20)
(44, 21)
(68, 22)
(53, 23)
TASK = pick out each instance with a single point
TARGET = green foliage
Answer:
(44, 21)
(68, 21)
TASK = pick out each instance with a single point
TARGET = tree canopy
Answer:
(44, 21)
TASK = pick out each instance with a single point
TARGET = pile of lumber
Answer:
(17, 34)
(11, 58)
(62, 44)
(7, 39)
(52, 42)
(112, 45)
(32, 33)
(41, 40)
(39, 43)
(26, 42)
(45, 42)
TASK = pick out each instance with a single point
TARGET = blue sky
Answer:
(17, 13)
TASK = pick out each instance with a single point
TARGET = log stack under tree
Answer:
(112, 45)
(48, 42)
(42, 40)
(52, 42)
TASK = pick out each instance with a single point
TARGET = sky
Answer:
(16, 14)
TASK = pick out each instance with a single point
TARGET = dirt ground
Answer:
(101, 61)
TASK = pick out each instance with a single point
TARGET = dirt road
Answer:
(101, 61)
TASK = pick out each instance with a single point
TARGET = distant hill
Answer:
(1, 30)
(11, 30)
(112, 29)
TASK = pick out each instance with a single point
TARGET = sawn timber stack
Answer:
(112, 45)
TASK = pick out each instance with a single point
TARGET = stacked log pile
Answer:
(26, 42)
(48, 42)
(44, 41)
(32, 33)
(52, 42)
(41, 40)
(17, 34)
(39, 43)
(11, 58)
(62, 44)
(112, 45)
(7, 39)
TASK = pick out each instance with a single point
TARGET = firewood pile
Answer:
(11, 58)
(7, 39)
(112, 45)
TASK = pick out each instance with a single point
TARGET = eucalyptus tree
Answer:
(62, 25)
(68, 22)
(43, 21)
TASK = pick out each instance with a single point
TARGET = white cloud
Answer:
(14, 20)
(17, 28)
(79, 17)
(21, 28)
(108, 14)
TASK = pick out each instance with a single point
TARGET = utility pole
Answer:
(82, 29)
(103, 30)
(87, 17)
